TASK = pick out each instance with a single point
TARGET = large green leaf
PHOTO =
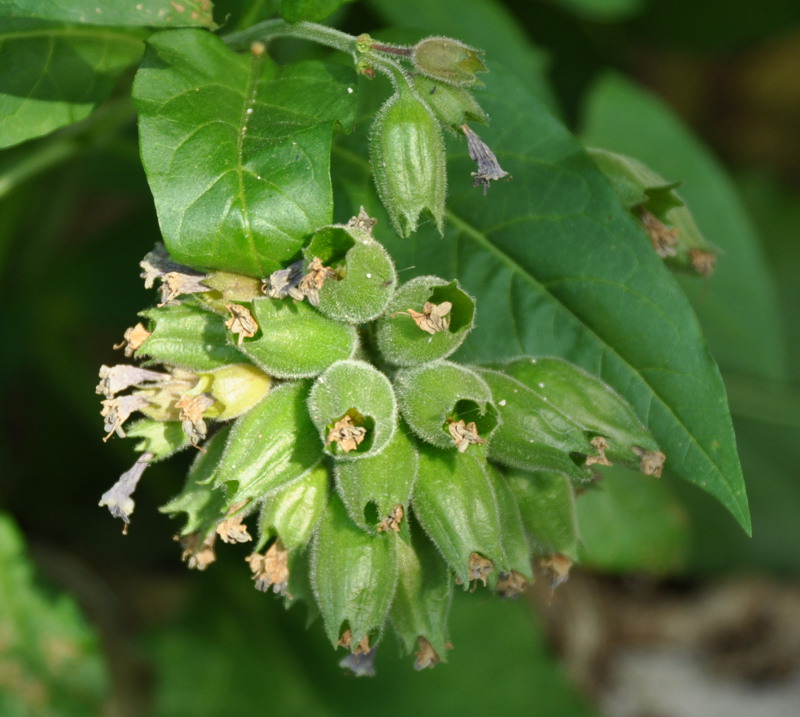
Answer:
(51, 660)
(237, 149)
(55, 75)
(559, 268)
(311, 10)
(151, 13)
(737, 305)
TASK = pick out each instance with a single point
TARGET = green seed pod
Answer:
(188, 336)
(376, 489)
(294, 341)
(271, 446)
(354, 575)
(448, 60)
(446, 405)
(161, 438)
(203, 504)
(454, 106)
(514, 541)
(353, 407)
(546, 503)
(408, 161)
(617, 434)
(292, 513)
(534, 434)
(427, 319)
(454, 503)
(355, 274)
(422, 601)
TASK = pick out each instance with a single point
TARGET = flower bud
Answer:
(418, 325)
(448, 60)
(446, 405)
(453, 106)
(408, 161)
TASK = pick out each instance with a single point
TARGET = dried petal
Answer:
(175, 284)
(271, 569)
(426, 655)
(284, 282)
(703, 261)
(232, 529)
(463, 434)
(346, 434)
(312, 282)
(132, 339)
(363, 221)
(346, 641)
(191, 415)
(479, 567)
(434, 317)
(557, 567)
(601, 445)
(392, 521)
(241, 322)
(114, 379)
(663, 238)
(197, 553)
(117, 410)
(360, 664)
(176, 278)
(651, 463)
(511, 585)
(118, 498)
(488, 167)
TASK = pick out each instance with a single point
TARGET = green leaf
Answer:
(737, 305)
(272, 445)
(188, 336)
(547, 507)
(384, 480)
(52, 662)
(56, 75)
(456, 506)
(150, 13)
(310, 10)
(237, 149)
(295, 340)
(602, 10)
(557, 268)
(631, 523)
(293, 513)
(515, 543)
(354, 575)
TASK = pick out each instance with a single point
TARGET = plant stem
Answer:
(312, 31)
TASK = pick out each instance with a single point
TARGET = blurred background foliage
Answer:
(695, 89)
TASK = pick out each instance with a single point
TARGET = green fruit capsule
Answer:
(617, 433)
(271, 446)
(351, 277)
(455, 504)
(376, 489)
(534, 434)
(427, 319)
(293, 340)
(353, 407)
(408, 161)
(292, 514)
(448, 60)
(354, 575)
(188, 336)
(454, 106)
(446, 405)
